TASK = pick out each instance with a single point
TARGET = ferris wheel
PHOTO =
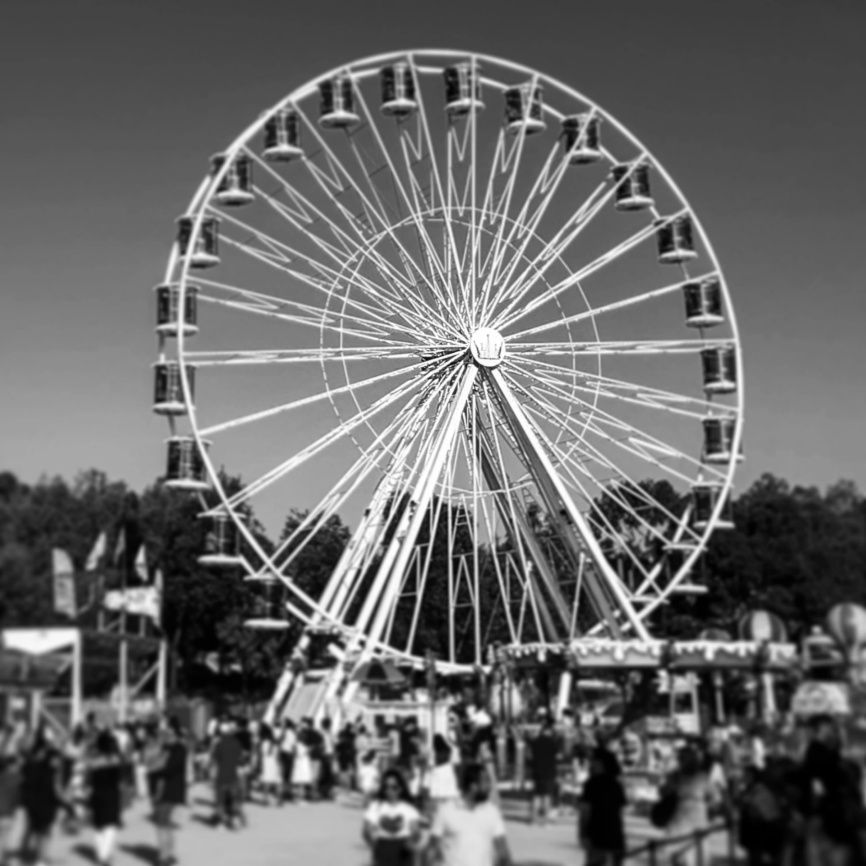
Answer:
(457, 304)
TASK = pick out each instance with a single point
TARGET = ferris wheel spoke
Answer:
(402, 433)
(490, 449)
(344, 429)
(639, 443)
(436, 177)
(583, 273)
(469, 447)
(590, 314)
(372, 221)
(389, 302)
(591, 454)
(264, 304)
(604, 529)
(314, 355)
(556, 416)
(617, 389)
(319, 324)
(524, 226)
(616, 347)
(552, 252)
(496, 205)
(409, 202)
(271, 412)
(303, 214)
(282, 256)
(606, 590)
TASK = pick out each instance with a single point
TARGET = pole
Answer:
(162, 674)
(430, 662)
(77, 678)
(124, 671)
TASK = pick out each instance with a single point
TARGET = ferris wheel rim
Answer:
(209, 184)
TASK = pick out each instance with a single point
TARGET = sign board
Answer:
(138, 600)
(820, 698)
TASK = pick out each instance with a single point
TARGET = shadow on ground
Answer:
(145, 853)
(85, 852)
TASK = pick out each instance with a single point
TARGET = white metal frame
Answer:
(399, 242)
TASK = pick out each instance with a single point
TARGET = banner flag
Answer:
(63, 574)
(141, 564)
(158, 585)
(97, 553)
(119, 558)
(137, 601)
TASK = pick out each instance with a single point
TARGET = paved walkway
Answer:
(319, 834)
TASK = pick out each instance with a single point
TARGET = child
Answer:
(368, 776)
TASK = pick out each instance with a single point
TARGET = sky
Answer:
(110, 109)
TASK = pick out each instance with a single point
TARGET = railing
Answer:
(653, 851)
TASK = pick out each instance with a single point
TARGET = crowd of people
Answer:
(436, 801)
(89, 777)
(420, 804)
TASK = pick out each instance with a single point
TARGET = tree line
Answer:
(794, 550)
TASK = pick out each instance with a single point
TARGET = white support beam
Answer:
(553, 488)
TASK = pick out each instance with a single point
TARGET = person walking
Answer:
(105, 773)
(169, 790)
(288, 743)
(10, 785)
(347, 757)
(470, 831)
(441, 779)
(269, 761)
(693, 795)
(543, 757)
(326, 760)
(391, 823)
(302, 769)
(601, 828)
(227, 758)
(41, 795)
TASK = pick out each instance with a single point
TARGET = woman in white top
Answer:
(302, 768)
(391, 823)
(271, 775)
(694, 797)
(442, 780)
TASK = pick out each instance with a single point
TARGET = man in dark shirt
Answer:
(227, 758)
(543, 756)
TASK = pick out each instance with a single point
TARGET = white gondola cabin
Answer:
(719, 439)
(632, 186)
(185, 469)
(581, 138)
(168, 390)
(282, 136)
(205, 251)
(398, 90)
(462, 89)
(719, 366)
(675, 240)
(524, 109)
(222, 543)
(705, 497)
(337, 103)
(703, 303)
(269, 610)
(168, 308)
(236, 185)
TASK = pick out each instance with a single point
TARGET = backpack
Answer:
(762, 805)
(665, 807)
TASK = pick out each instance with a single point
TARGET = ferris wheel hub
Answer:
(487, 347)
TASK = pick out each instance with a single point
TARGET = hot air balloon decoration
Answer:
(846, 623)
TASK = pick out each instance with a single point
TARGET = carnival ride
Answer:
(456, 301)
